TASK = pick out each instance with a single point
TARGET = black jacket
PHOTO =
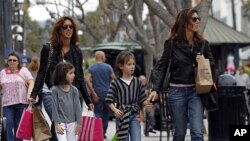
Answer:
(74, 56)
(183, 63)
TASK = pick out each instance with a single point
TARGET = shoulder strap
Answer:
(51, 49)
(25, 81)
(202, 47)
(171, 50)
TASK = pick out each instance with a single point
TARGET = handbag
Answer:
(210, 100)
(47, 67)
(41, 130)
(92, 129)
(203, 77)
(155, 72)
(24, 130)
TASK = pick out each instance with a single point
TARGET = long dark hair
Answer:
(61, 70)
(55, 35)
(182, 20)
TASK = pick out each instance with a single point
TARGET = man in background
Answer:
(99, 77)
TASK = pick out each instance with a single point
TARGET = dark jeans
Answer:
(13, 113)
(102, 110)
(47, 102)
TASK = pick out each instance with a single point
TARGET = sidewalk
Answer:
(152, 136)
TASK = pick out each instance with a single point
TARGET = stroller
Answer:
(157, 117)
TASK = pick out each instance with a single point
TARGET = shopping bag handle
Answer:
(90, 113)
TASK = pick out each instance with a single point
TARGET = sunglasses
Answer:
(194, 19)
(12, 60)
(67, 26)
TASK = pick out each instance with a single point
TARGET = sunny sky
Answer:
(39, 13)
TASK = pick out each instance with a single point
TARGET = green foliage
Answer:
(34, 35)
(246, 4)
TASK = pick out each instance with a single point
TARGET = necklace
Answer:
(63, 54)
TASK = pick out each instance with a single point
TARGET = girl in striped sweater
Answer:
(129, 95)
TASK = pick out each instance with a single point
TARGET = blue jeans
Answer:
(134, 133)
(13, 113)
(102, 110)
(47, 102)
(185, 105)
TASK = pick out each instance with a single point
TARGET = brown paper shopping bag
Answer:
(204, 80)
(41, 130)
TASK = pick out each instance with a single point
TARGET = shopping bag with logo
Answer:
(204, 79)
(41, 130)
(24, 130)
(92, 129)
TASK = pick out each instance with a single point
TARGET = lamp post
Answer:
(17, 38)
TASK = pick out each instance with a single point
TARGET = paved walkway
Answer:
(152, 136)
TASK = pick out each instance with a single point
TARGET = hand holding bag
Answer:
(203, 78)
(92, 129)
(24, 130)
(41, 130)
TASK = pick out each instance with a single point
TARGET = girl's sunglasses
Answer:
(67, 26)
(194, 19)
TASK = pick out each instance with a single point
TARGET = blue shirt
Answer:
(101, 76)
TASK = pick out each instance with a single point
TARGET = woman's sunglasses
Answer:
(67, 26)
(12, 60)
(194, 19)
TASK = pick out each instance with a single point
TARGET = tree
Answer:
(113, 16)
(162, 16)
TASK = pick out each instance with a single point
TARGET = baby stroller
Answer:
(157, 117)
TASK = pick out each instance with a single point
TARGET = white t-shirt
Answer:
(242, 80)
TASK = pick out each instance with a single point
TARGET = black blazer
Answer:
(183, 63)
(76, 60)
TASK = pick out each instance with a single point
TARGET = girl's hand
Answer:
(139, 118)
(59, 129)
(78, 129)
(118, 113)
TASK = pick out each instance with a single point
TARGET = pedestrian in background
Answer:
(63, 45)
(184, 104)
(66, 108)
(34, 66)
(16, 84)
(99, 77)
(242, 78)
(129, 95)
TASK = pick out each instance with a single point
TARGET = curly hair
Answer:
(55, 38)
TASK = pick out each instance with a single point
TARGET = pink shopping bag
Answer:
(24, 130)
(91, 129)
